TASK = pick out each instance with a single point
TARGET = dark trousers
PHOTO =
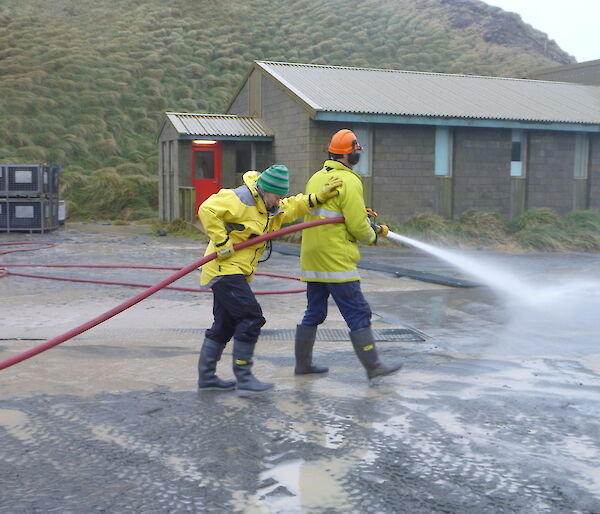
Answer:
(347, 296)
(236, 311)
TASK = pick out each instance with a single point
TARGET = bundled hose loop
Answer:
(157, 287)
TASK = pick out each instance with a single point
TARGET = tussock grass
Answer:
(179, 228)
(539, 229)
(108, 194)
(487, 228)
(584, 230)
(84, 84)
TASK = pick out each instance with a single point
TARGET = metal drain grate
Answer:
(339, 334)
(266, 334)
(328, 334)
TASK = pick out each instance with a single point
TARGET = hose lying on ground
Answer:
(4, 272)
(156, 287)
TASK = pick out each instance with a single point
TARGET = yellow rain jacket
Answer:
(240, 214)
(330, 252)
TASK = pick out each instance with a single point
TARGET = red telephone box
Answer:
(206, 169)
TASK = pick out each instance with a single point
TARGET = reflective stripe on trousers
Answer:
(331, 275)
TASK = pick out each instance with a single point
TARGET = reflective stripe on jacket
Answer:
(330, 252)
(240, 214)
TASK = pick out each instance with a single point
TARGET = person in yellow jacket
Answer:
(328, 259)
(229, 217)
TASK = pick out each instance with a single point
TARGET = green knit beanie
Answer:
(275, 179)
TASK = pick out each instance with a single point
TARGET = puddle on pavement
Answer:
(17, 424)
(301, 486)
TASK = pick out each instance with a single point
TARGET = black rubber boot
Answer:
(207, 364)
(364, 346)
(247, 383)
(305, 340)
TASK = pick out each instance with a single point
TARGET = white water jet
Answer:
(488, 274)
(552, 296)
(544, 314)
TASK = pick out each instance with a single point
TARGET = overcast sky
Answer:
(573, 24)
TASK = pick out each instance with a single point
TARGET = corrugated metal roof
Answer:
(411, 93)
(217, 125)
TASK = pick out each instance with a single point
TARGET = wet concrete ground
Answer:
(497, 411)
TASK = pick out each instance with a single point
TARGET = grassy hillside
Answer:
(85, 83)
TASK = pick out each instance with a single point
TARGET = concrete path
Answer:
(483, 417)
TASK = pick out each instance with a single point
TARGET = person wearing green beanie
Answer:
(232, 216)
(275, 179)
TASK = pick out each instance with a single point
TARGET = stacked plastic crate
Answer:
(29, 197)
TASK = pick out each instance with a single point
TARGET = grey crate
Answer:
(3, 215)
(29, 215)
(54, 181)
(3, 175)
(27, 180)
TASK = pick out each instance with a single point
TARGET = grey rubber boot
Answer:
(364, 346)
(305, 340)
(210, 354)
(247, 383)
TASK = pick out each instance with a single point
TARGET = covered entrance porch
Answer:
(202, 153)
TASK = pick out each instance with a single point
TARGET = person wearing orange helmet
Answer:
(329, 256)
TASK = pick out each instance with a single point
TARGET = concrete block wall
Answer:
(550, 182)
(481, 170)
(319, 137)
(289, 121)
(184, 149)
(228, 170)
(594, 171)
(241, 104)
(403, 178)
(264, 155)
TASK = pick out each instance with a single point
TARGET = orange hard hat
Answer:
(343, 142)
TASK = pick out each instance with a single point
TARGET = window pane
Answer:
(582, 150)
(443, 151)
(516, 151)
(362, 135)
(204, 165)
(516, 169)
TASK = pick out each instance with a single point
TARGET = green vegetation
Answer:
(179, 228)
(123, 192)
(85, 83)
(536, 230)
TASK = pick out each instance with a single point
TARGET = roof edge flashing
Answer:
(264, 64)
(310, 103)
(211, 115)
(454, 121)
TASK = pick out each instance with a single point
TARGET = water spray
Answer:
(489, 274)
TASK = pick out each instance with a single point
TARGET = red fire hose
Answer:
(156, 287)
(4, 272)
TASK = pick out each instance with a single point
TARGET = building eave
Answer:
(456, 122)
(192, 137)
